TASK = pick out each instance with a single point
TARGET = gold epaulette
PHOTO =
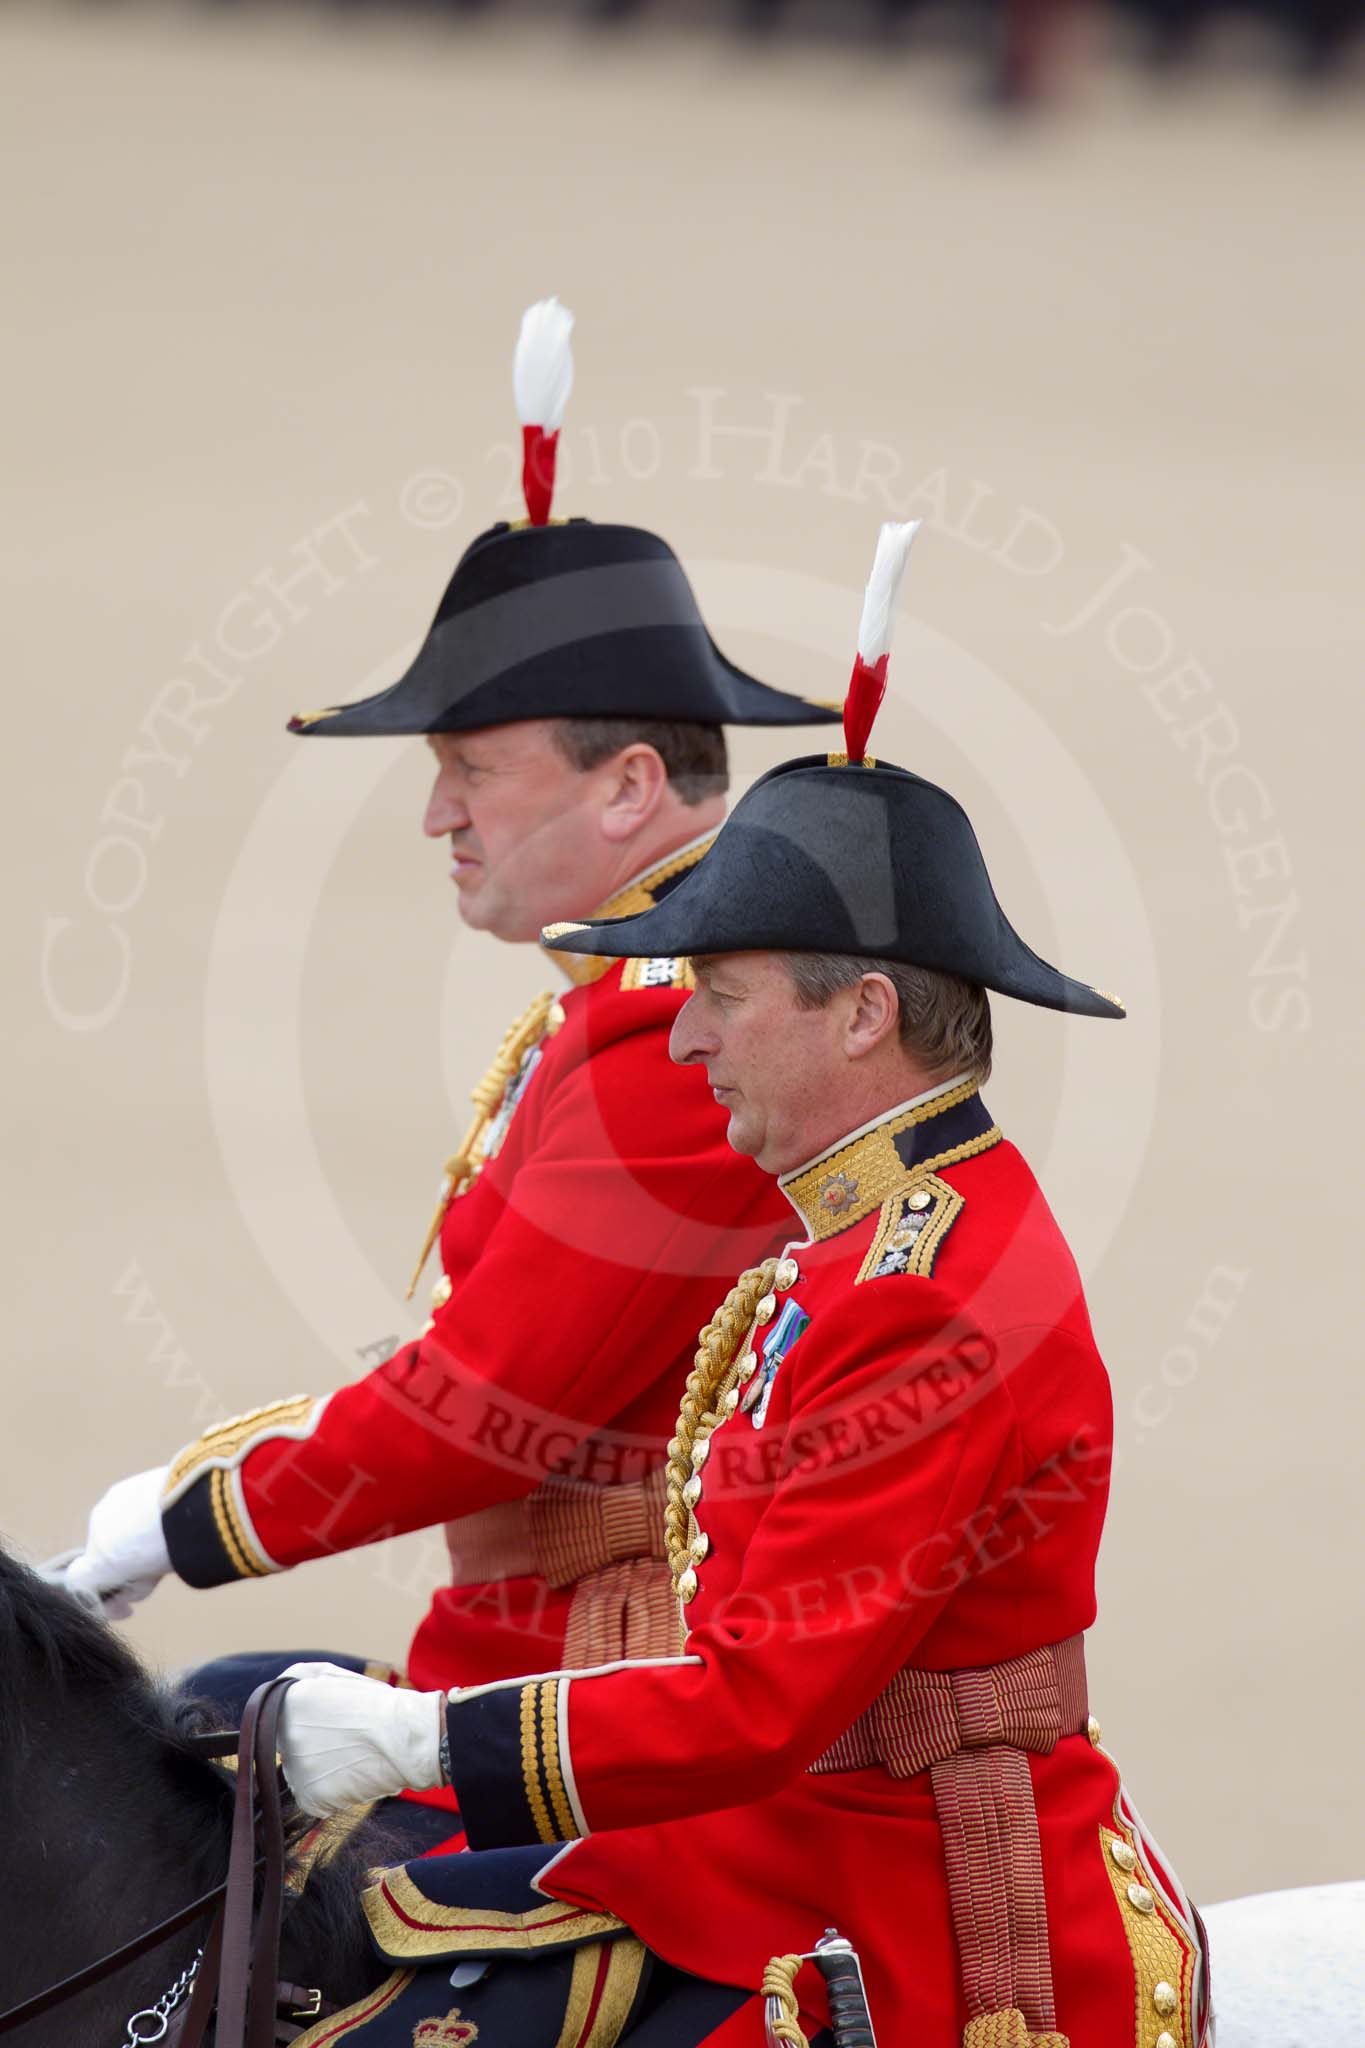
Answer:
(913, 1224)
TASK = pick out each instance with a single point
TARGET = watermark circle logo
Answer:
(253, 1023)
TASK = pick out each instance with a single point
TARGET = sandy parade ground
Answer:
(264, 270)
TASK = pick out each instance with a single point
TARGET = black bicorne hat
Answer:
(568, 619)
(845, 854)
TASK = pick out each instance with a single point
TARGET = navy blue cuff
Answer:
(204, 1536)
(507, 1765)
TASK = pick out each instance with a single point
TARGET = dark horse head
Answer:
(109, 1822)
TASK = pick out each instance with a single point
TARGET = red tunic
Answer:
(926, 1486)
(578, 1267)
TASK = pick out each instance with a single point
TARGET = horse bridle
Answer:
(236, 1973)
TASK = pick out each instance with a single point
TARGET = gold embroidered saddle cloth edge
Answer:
(972, 1731)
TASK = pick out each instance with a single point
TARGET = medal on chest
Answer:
(777, 1341)
(498, 1123)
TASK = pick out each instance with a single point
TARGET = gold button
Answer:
(1164, 2040)
(1092, 1729)
(1141, 1898)
(1164, 1998)
(687, 1585)
(729, 1402)
(921, 1199)
(1122, 1854)
(747, 1367)
(787, 1275)
(692, 1490)
(766, 1310)
(701, 1451)
(700, 1547)
(441, 1292)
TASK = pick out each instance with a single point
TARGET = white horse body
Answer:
(1288, 1968)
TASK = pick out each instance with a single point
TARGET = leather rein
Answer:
(237, 1970)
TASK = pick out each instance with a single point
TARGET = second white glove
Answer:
(345, 1739)
(125, 1552)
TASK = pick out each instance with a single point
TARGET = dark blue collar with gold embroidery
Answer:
(852, 1179)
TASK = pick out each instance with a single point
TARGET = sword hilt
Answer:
(837, 1961)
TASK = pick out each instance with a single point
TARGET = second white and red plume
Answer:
(868, 684)
(542, 378)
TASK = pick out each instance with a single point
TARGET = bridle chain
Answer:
(153, 2022)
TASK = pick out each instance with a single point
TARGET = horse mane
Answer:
(47, 1633)
(71, 1689)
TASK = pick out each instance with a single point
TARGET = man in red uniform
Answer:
(574, 702)
(885, 1490)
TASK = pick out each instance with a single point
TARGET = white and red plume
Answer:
(868, 684)
(542, 378)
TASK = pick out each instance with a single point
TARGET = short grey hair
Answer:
(944, 1022)
(693, 755)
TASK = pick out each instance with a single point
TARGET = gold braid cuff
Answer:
(530, 1764)
(226, 1445)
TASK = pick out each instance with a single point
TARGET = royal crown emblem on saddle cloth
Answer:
(450, 2032)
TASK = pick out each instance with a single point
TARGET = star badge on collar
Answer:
(836, 1191)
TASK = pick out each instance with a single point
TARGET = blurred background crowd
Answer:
(1020, 50)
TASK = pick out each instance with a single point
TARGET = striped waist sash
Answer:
(973, 1731)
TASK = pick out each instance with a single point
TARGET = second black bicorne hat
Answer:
(844, 854)
(865, 859)
(564, 619)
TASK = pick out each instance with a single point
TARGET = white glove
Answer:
(125, 1552)
(345, 1739)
